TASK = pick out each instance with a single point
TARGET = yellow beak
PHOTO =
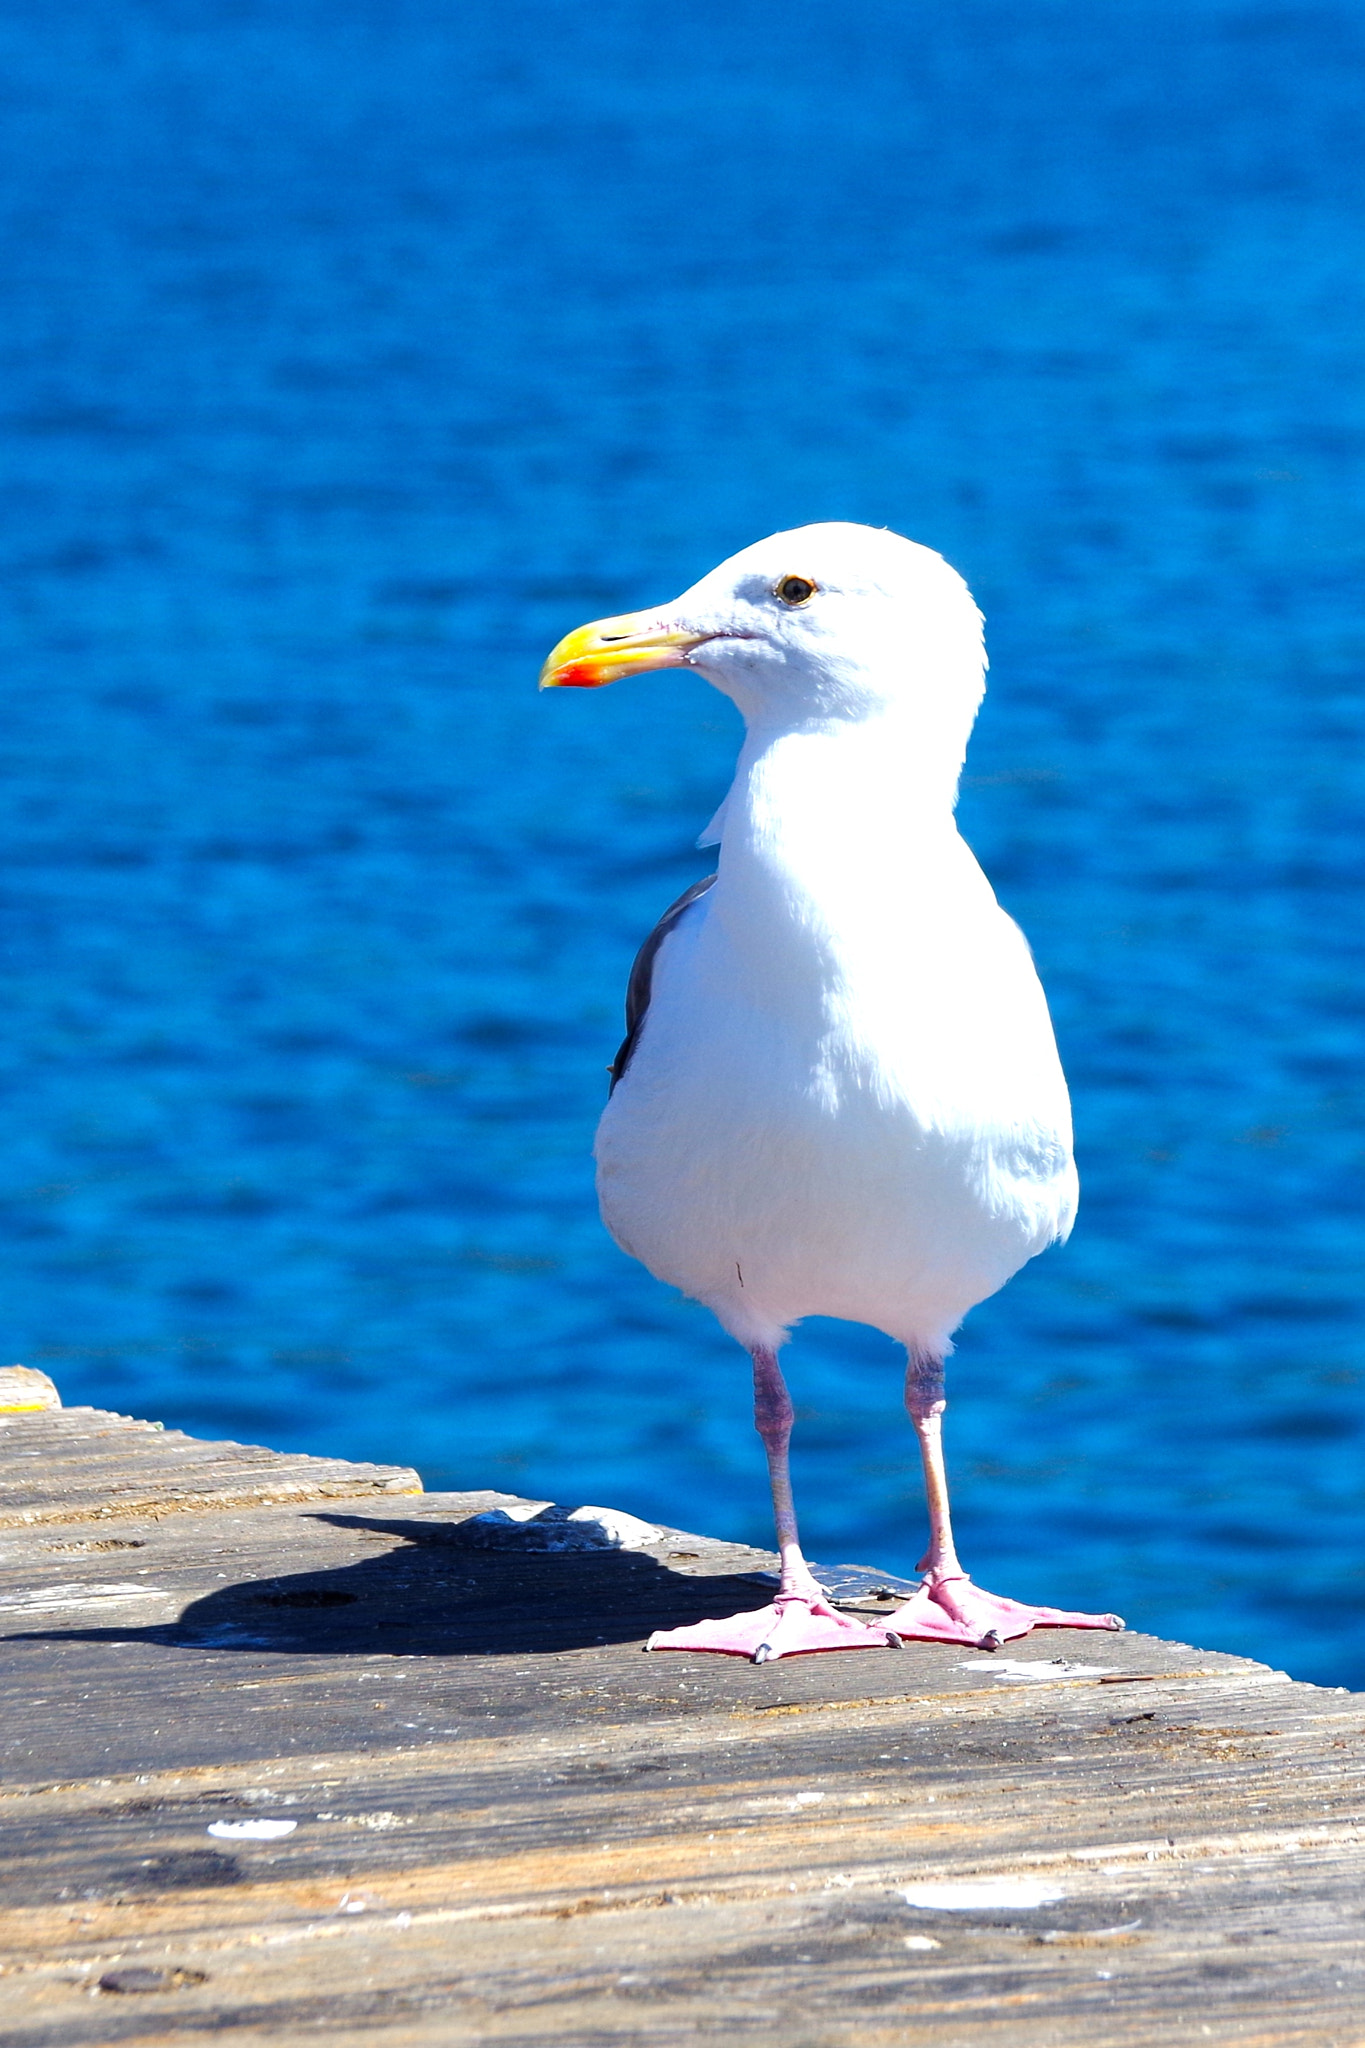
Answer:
(628, 646)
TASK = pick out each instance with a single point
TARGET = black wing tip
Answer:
(639, 986)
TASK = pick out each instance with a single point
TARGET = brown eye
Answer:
(795, 590)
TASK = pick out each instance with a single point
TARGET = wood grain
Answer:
(512, 1827)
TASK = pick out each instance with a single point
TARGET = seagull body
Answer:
(846, 1098)
(841, 1093)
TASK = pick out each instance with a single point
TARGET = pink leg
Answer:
(799, 1617)
(947, 1606)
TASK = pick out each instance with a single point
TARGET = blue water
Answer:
(351, 353)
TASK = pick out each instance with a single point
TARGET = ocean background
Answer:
(350, 354)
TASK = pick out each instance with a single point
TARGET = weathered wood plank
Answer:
(69, 1464)
(23, 1390)
(511, 1827)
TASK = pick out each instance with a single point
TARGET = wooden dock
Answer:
(295, 1754)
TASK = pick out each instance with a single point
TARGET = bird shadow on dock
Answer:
(433, 1593)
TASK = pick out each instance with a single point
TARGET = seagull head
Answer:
(827, 624)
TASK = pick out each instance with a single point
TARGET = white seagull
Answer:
(839, 1092)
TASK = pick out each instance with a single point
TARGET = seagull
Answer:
(839, 1092)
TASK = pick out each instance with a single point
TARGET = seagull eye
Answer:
(795, 590)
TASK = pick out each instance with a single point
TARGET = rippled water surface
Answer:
(351, 354)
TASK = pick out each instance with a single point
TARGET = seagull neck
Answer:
(875, 781)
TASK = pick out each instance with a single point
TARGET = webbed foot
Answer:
(948, 1608)
(793, 1624)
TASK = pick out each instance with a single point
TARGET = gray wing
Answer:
(641, 983)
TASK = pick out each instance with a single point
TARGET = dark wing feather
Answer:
(641, 983)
